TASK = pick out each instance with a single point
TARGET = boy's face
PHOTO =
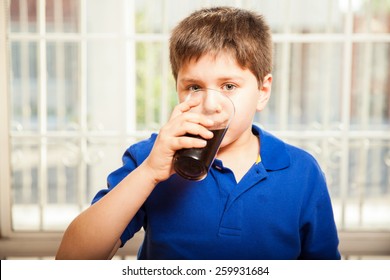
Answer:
(221, 72)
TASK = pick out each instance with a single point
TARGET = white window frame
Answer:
(42, 244)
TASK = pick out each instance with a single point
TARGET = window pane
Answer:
(311, 87)
(300, 16)
(63, 85)
(63, 160)
(106, 70)
(372, 16)
(368, 204)
(316, 16)
(105, 17)
(149, 16)
(315, 86)
(24, 83)
(23, 16)
(102, 156)
(153, 78)
(25, 184)
(370, 103)
(62, 15)
(370, 169)
(25, 162)
(161, 16)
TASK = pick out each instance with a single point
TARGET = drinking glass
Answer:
(194, 163)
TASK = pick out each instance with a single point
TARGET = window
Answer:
(85, 79)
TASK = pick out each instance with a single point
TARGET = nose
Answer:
(212, 102)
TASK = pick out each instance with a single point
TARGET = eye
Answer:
(228, 87)
(193, 88)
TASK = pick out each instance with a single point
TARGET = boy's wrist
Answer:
(149, 173)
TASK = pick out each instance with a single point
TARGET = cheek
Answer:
(244, 112)
(245, 109)
(241, 121)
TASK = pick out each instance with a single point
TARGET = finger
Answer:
(194, 129)
(187, 142)
(192, 117)
(196, 118)
(185, 106)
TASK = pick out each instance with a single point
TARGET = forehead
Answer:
(211, 65)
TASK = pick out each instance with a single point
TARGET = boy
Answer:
(262, 198)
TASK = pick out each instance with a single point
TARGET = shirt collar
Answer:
(273, 152)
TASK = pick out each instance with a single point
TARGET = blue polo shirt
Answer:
(280, 209)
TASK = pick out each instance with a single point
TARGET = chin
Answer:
(227, 140)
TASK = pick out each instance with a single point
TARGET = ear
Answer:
(264, 92)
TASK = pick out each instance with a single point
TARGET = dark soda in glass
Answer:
(194, 163)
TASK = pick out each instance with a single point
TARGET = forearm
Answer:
(96, 231)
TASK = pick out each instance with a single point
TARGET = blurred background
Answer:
(81, 80)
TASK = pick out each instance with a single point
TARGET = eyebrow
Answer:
(188, 80)
(220, 79)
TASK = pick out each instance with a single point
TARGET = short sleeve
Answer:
(318, 229)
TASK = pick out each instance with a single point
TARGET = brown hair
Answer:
(242, 33)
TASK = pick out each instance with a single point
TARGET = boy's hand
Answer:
(172, 138)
